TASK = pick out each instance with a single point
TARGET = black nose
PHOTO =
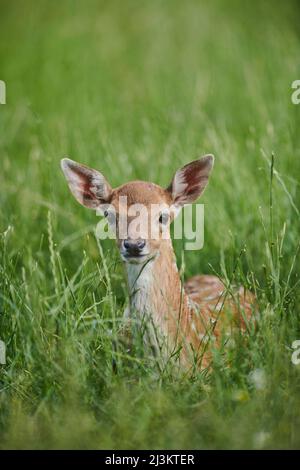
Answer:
(134, 247)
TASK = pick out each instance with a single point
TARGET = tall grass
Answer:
(136, 89)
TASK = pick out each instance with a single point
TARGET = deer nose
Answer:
(134, 247)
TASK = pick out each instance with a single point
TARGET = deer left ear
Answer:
(88, 186)
(190, 181)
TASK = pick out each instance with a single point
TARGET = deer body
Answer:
(182, 316)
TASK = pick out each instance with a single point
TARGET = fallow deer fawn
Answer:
(185, 317)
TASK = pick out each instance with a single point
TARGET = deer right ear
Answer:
(88, 186)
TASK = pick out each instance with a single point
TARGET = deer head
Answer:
(139, 212)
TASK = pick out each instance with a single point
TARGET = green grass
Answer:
(136, 89)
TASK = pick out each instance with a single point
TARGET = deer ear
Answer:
(88, 186)
(190, 181)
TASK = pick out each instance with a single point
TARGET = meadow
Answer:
(136, 89)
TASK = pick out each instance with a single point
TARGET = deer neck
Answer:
(155, 289)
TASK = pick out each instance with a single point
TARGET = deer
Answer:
(184, 316)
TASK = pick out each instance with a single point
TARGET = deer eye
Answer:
(110, 216)
(163, 218)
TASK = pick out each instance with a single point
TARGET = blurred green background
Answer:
(136, 89)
